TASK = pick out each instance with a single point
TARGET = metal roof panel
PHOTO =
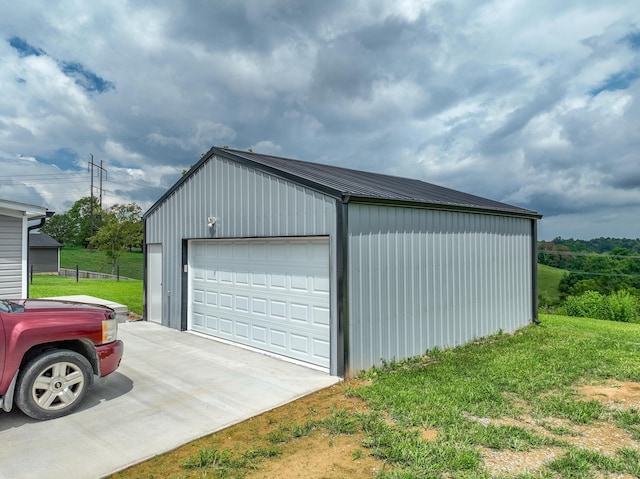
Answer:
(376, 186)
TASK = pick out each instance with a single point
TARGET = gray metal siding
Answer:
(43, 260)
(424, 278)
(247, 202)
(10, 257)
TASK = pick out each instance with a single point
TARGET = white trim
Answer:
(25, 257)
(18, 210)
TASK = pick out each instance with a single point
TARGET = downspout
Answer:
(534, 271)
(40, 224)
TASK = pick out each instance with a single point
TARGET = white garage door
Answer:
(269, 294)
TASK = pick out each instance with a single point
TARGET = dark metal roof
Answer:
(356, 185)
(374, 186)
(42, 240)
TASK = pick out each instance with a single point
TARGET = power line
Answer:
(576, 253)
(43, 175)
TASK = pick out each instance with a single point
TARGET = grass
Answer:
(131, 263)
(548, 281)
(539, 367)
(456, 392)
(127, 292)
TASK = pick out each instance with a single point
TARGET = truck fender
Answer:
(7, 400)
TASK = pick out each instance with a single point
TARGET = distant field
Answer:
(548, 281)
(131, 263)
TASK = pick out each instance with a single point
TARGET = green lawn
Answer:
(127, 292)
(131, 263)
(534, 373)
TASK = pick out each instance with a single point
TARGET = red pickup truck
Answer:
(50, 352)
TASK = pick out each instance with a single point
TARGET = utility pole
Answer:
(91, 199)
(92, 165)
(105, 172)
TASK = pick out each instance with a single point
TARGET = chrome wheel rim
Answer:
(58, 386)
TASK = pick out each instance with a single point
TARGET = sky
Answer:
(535, 104)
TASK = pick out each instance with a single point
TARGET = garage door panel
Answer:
(259, 334)
(321, 316)
(242, 329)
(270, 294)
(321, 349)
(198, 273)
(278, 340)
(198, 296)
(212, 298)
(321, 285)
(226, 327)
(259, 306)
(300, 343)
(259, 280)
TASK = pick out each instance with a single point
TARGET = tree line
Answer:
(604, 265)
(113, 230)
(602, 279)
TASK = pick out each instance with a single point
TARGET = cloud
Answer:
(530, 103)
(87, 79)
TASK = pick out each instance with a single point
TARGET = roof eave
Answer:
(22, 210)
(348, 198)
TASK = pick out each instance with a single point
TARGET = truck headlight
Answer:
(109, 330)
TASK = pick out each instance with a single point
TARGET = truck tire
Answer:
(53, 384)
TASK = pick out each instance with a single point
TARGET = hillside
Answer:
(548, 281)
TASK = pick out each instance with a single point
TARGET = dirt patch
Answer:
(429, 435)
(321, 455)
(617, 394)
(512, 462)
(602, 436)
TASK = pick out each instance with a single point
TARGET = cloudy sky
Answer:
(534, 103)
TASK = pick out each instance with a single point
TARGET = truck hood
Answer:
(43, 305)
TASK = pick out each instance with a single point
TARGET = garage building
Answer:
(337, 268)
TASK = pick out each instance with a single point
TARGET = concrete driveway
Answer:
(172, 387)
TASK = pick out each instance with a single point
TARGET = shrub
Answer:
(618, 306)
(624, 306)
(590, 304)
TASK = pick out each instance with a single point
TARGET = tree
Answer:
(59, 227)
(86, 217)
(121, 229)
(76, 225)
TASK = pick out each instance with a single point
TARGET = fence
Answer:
(76, 273)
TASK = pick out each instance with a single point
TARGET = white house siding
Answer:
(247, 203)
(11, 257)
(423, 278)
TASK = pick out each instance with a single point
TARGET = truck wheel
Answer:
(53, 384)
